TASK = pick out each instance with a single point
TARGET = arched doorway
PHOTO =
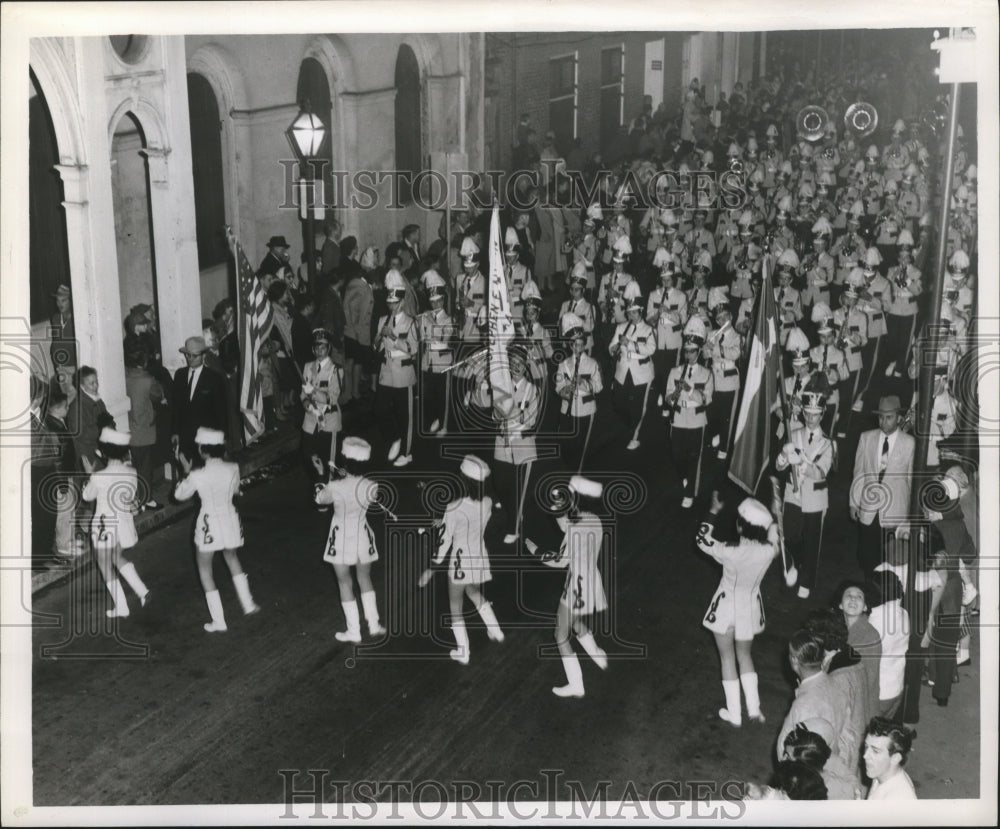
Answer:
(206, 170)
(133, 216)
(409, 150)
(313, 92)
(49, 255)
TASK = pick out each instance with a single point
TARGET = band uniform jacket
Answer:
(736, 604)
(811, 493)
(518, 276)
(472, 296)
(875, 307)
(513, 445)
(633, 345)
(723, 349)
(818, 279)
(610, 296)
(795, 385)
(350, 540)
(903, 299)
(399, 345)
(586, 374)
(436, 333)
(585, 311)
(891, 504)
(538, 342)
(112, 490)
(218, 526)
(828, 359)
(324, 376)
(689, 405)
(856, 334)
(462, 528)
(700, 240)
(668, 315)
(789, 307)
(583, 592)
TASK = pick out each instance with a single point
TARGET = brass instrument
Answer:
(736, 166)
(842, 341)
(861, 118)
(811, 122)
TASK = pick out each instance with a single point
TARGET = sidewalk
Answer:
(251, 460)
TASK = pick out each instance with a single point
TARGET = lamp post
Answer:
(305, 135)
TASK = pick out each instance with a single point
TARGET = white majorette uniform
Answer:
(737, 603)
(462, 542)
(350, 540)
(112, 490)
(218, 526)
(583, 592)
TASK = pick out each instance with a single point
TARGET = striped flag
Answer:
(255, 320)
(500, 326)
(752, 437)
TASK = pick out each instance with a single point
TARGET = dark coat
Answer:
(207, 407)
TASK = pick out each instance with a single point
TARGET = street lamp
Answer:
(305, 135)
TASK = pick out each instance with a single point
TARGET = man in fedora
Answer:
(62, 333)
(199, 398)
(880, 491)
(275, 260)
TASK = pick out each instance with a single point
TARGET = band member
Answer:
(736, 612)
(218, 526)
(514, 449)
(516, 273)
(350, 541)
(577, 382)
(689, 393)
(904, 288)
(786, 298)
(578, 305)
(810, 454)
(851, 324)
(536, 338)
(437, 331)
(583, 594)
(830, 362)
(463, 526)
(632, 346)
(471, 291)
(797, 383)
(321, 386)
(873, 290)
(666, 313)
(722, 353)
(819, 266)
(112, 528)
(397, 340)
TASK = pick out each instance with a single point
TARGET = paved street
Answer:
(175, 715)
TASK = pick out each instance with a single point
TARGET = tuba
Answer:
(861, 118)
(811, 122)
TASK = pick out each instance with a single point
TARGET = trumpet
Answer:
(842, 335)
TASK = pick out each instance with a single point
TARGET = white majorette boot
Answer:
(492, 625)
(120, 609)
(461, 653)
(732, 713)
(394, 449)
(214, 602)
(594, 651)
(353, 632)
(129, 573)
(574, 678)
(749, 683)
(243, 591)
(371, 613)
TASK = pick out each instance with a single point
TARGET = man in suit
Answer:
(329, 256)
(199, 399)
(275, 261)
(880, 491)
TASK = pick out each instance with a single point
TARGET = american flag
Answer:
(255, 319)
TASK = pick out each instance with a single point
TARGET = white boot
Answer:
(394, 449)
(492, 625)
(461, 653)
(218, 623)
(243, 591)
(749, 683)
(353, 632)
(120, 610)
(371, 613)
(128, 572)
(732, 713)
(594, 651)
(574, 678)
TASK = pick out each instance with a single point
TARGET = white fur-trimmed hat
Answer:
(114, 437)
(209, 437)
(473, 467)
(755, 513)
(586, 487)
(356, 449)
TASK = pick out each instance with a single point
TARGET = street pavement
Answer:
(153, 710)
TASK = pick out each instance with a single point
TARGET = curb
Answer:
(250, 460)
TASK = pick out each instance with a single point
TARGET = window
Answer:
(612, 93)
(563, 100)
(409, 152)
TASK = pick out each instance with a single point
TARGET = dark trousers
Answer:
(720, 416)
(686, 447)
(945, 634)
(848, 391)
(576, 440)
(142, 460)
(873, 363)
(434, 399)
(317, 444)
(512, 482)
(803, 538)
(630, 401)
(664, 359)
(899, 336)
(870, 546)
(394, 412)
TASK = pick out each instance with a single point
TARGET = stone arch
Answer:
(429, 53)
(333, 55)
(49, 65)
(148, 118)
(215, 63)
